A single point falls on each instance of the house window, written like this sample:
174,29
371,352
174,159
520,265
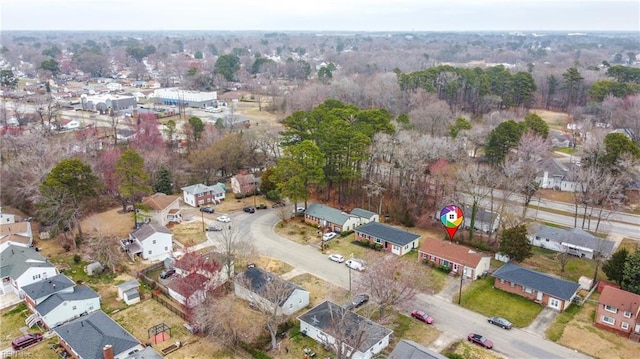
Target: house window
512,285
627,314
378,240
611,309
166,248
501,281
73,308
150,252
527,290
154,241
624,325
554,303
290,305
608,320
37,276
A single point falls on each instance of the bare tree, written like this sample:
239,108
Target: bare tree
218,318
390,281
266,293
232,246
475,182
103,248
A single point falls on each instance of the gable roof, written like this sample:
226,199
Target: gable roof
574,236
542,282
80,292
159,201
362,213
128,285
16,259
186,286
197,188
257,280
451,251
620,299
387,233
554,168
15,232
407,349
48,286
326,213
148,229
324,315
482,215
88,334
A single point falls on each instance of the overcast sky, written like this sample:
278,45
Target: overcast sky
323,15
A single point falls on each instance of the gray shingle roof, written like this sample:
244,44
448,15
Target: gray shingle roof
554,168
87,335
146,353
258,278
407,349
149,229
17,259
326,213
387,233
80,293
324,316
49,286
575,236
542,282
483,215
128,285
362,213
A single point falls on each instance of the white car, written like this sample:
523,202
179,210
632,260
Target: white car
355,264
336,258
328,236
224,219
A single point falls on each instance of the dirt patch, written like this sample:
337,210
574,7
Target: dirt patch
298,231
273,265
320,290
189,233
582,335
552,195
111,223
555,120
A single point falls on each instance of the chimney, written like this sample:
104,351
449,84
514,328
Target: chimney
107,352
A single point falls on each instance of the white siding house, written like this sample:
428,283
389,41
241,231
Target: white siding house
263,288
198,194
21,266
60,308
151,242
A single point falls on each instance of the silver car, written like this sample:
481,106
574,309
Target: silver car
501,322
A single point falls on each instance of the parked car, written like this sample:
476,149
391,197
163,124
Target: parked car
278,204
355,264
223,218
249,209
213,228
501,322
358,301
261,206
336,258
480,340
26,340
167,273
422,316
328,236
299,211
207,209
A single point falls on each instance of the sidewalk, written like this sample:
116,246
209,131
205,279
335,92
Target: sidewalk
452,287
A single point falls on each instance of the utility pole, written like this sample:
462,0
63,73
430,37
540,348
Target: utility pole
202,216
461,278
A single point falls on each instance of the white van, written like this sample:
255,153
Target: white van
355,264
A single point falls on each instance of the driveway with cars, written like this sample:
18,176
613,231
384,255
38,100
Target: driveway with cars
453,321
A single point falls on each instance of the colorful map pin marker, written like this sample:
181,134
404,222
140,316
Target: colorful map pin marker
451,217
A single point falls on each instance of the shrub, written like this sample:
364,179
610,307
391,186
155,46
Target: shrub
454,356
345,233
443,268
76,258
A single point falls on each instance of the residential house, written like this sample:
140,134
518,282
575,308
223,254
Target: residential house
407,349
64,306
163,208
484,219
123,134
151,242
555,175
454,256
574,241
128,292
178,97
96,335
189,290
19,232
244,184
343,330
35,293
330,219
7,218
540,287
363,216
199,194
262,288
68,124
21,266
393,240
619,312
561,140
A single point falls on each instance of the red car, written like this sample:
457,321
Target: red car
26,340
422,316
480,340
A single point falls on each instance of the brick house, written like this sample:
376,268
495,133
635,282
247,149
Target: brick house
454,256
244,184
392,240
330,219
619,312
541,288
198,194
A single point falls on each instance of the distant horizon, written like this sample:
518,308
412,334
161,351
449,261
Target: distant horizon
397,16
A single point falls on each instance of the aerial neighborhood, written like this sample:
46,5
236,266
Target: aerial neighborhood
281,195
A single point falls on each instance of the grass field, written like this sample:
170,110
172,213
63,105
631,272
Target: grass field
480,296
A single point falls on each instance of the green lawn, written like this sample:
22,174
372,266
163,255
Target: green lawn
555,330
545,260
480,296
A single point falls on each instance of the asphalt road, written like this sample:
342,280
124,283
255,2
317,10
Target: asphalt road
453,321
